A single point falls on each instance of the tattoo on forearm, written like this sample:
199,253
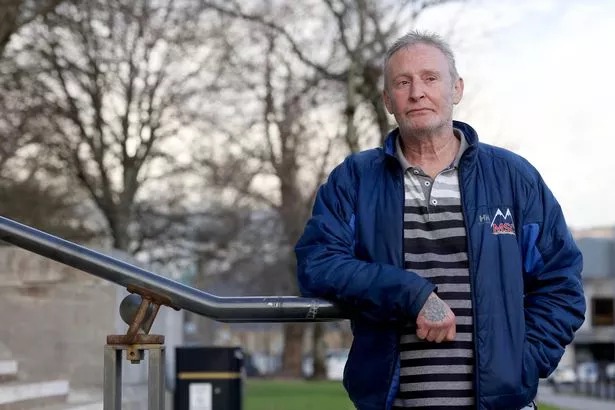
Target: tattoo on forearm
434,310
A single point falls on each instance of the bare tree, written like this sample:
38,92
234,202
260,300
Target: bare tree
15,14
19,125
216,244
33,189
123,78
48,207
362,31
275,153
14,127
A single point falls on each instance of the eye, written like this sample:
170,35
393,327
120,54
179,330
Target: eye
431,79
403,83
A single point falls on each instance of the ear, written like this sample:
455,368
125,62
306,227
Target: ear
458,90
387,101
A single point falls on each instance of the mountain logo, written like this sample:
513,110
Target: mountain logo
502,223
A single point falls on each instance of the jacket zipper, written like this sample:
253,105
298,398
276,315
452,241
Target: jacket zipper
471,272
400,187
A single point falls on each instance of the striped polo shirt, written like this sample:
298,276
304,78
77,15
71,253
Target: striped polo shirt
437,375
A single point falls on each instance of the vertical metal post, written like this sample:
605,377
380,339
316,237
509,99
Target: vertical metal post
155,377
112,395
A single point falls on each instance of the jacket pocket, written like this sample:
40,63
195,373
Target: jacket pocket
367,377
530,369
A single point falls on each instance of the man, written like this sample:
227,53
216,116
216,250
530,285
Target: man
452,256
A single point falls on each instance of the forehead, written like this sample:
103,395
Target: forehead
418,57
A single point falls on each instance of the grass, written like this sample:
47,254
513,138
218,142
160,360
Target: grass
547,407
295,395
302,395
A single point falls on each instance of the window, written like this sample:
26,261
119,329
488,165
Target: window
602,312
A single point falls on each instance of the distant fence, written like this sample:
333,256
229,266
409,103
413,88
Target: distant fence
602,389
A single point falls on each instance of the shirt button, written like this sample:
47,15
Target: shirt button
434,202
416,172
427,183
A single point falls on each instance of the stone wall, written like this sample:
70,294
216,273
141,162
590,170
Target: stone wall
54,319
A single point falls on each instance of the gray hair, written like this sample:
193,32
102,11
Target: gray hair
417,37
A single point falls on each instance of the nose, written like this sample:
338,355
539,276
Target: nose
416,91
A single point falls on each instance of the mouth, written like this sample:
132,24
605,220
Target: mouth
419,111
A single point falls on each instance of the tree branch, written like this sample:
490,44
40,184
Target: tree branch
296,48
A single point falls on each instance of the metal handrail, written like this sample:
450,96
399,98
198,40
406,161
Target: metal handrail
178,295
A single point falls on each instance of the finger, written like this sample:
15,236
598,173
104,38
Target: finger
451,333
442,334
433,334
421,332
430,335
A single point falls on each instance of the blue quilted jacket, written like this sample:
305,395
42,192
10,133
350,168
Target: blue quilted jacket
525,271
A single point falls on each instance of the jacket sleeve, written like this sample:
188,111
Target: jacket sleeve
328,268
554,300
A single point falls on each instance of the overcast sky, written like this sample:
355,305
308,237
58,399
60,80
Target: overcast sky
540,80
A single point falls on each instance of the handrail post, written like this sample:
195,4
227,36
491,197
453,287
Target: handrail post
112,385
155,378
135,343
112,395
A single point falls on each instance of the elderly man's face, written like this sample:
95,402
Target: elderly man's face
420,91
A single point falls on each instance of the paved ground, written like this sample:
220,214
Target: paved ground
135,398
573,402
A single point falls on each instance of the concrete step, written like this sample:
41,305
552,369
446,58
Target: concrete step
8,370
78,399
18,395
69,406
92,406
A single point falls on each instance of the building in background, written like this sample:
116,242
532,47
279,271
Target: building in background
595,341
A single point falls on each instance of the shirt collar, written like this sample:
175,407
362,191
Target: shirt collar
405,164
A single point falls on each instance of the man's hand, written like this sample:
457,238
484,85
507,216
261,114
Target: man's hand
436,321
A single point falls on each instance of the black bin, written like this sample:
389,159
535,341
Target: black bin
208,378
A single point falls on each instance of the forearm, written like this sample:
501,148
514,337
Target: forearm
373,291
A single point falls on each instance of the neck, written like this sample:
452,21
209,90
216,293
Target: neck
432,152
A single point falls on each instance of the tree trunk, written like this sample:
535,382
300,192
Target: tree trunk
346,333
119,223
319,352
293,350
